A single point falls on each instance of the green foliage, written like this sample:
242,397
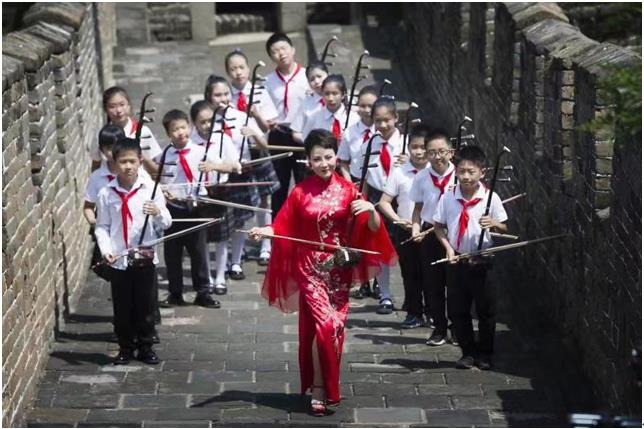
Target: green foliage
620,89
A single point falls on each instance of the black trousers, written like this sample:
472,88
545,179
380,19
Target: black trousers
284,167
196,245
133,300
434,280
466,283
409,258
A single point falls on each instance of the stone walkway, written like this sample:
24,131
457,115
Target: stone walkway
237,366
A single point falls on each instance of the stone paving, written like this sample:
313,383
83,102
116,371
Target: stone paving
237,366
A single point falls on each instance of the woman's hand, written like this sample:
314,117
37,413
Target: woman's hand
360,206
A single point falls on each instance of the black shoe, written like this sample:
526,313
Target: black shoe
436,339
385,307
220,289
375,293
412,322
148,356
484,363
363,292
205,300
236,275
123,358
172,301
466,362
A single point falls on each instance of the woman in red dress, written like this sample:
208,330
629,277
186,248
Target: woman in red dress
303,277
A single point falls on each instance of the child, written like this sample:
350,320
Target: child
398,186
426,190
184,163
458,221
128,197
389,144
217,92
350,150
288,87
202,114
316,72
108,135
265,115
333,115
117,106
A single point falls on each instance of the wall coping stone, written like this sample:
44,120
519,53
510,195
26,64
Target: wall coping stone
70,14
60,39
12,71
526,16
31,50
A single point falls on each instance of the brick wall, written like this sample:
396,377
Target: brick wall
527,79
51,114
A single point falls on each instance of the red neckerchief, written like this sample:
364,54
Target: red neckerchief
286,83
184,163
441,184
464,219
125,210
385,158
242,104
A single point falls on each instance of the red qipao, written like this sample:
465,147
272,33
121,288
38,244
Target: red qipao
319,210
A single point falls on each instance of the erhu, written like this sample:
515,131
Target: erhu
459,139
408,121
357,77
251,101
326,53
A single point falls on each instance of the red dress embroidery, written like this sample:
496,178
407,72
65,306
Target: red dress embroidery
296,279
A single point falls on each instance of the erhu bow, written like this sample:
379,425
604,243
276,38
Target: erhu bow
357,77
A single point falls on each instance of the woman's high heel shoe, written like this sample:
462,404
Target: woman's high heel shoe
318,406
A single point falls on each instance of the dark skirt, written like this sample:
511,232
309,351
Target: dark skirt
264,172
220,231
247,195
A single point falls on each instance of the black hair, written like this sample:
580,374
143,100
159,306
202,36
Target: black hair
174,115
236,52
277,37
384,101
322,138
212,80
123,145
198,106
109,135
419,130
111,92
438,134
369,89
336,78
473,154
316,65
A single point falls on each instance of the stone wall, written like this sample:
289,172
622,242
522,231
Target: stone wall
51,114
527,78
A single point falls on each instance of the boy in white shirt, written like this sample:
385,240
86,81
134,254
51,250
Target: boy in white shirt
398,187
122,206
426,190
287,86
459,220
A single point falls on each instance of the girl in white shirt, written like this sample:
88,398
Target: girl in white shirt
316,72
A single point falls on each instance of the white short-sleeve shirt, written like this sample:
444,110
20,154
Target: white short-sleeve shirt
218,145
423,190
350,149
297,89
323,119
237,119
448,212
398,186
311,104
149,145
265,107
376,176
100,178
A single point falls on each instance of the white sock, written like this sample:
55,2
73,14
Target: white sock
383,282
222,260
264,219
238,239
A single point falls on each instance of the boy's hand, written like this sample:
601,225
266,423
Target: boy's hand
206,166
451,255
248,132
168,195
150,208
401,159
487,222
236,167
415,233
360,206
253,111
109,258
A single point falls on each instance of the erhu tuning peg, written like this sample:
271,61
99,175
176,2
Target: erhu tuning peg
261,63
329,64
169,163
148,120
504,179
146,147
366,67
416,121
148,136
468,137
508,168
374,165
257,101
151,110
